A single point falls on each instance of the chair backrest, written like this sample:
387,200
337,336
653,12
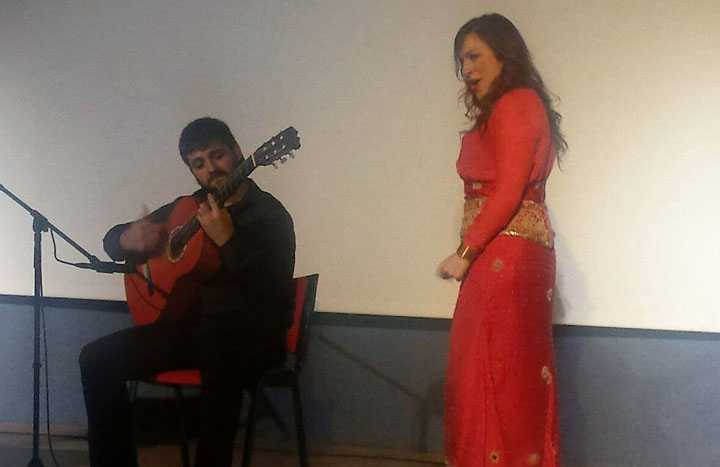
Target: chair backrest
298,333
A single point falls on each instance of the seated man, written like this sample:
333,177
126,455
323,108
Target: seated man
235,327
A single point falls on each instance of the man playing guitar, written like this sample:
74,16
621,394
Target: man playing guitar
235,306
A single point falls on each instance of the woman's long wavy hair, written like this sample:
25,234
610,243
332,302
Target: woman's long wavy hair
518,71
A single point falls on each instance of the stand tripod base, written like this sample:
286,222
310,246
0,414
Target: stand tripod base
36,462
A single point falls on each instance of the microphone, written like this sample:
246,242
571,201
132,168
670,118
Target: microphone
104,267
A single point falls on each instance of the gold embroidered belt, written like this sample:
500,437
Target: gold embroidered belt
531,222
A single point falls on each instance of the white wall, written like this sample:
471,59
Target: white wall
95,93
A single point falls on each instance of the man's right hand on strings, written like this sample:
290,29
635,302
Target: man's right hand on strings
143,236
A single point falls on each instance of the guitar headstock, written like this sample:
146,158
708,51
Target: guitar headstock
277,148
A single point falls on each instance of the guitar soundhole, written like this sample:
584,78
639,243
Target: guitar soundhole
173,251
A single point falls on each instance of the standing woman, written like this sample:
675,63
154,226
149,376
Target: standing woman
501,404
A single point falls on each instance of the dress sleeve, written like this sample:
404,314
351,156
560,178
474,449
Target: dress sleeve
515,129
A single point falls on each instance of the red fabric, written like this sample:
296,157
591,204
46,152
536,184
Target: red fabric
514,153
500,406
294,330
183,377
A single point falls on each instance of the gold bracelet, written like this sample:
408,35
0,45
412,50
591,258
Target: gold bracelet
465,252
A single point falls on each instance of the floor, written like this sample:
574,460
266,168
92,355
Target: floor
16,450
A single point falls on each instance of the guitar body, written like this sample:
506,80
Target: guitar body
167,284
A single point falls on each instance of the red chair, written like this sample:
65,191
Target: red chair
287,376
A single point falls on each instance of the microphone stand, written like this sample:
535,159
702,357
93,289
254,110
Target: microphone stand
40,225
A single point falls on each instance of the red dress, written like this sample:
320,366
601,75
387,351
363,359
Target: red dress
500,405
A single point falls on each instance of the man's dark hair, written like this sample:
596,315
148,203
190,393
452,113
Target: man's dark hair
198,135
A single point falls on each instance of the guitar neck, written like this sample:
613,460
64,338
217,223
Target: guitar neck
272,150
178,241
234,181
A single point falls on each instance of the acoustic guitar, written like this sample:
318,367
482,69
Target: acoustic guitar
167,284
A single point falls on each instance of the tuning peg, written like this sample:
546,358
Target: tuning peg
283,160
274,164
291,154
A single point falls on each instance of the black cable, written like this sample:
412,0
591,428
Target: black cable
47,379
134,271
52,236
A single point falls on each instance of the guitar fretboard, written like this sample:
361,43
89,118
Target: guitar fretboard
185,233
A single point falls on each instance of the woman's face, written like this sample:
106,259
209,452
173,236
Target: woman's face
479,66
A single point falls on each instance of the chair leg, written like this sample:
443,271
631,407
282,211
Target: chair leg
184,451
299,425
132,390
269,409
250,428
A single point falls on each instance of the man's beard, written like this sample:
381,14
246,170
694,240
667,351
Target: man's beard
213,189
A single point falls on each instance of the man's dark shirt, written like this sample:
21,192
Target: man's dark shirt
255,281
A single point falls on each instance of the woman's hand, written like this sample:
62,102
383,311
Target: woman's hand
215,221
453,267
